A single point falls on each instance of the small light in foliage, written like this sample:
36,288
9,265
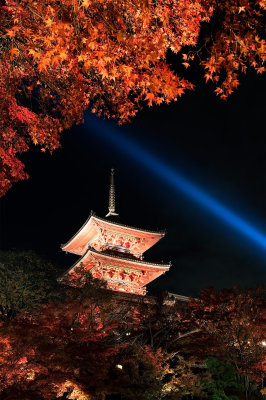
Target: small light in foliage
119,366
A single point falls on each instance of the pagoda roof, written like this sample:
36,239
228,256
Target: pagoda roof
154,232
78,243
128,263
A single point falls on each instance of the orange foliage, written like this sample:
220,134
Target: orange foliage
235,321
58,351
86,348
58,58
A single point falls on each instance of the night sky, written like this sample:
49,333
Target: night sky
220,146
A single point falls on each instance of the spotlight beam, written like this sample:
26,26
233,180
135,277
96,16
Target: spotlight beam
113,136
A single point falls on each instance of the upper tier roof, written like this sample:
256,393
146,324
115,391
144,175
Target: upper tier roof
93,231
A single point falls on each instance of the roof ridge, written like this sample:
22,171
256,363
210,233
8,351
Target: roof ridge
124,258
129,226
91,249
93,215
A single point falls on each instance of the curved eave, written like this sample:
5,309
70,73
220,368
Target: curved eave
159,267
159,234
129,260
76,234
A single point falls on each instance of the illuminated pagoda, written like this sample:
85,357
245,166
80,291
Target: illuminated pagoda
113,251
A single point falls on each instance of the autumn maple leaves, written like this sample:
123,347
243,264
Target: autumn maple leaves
59,58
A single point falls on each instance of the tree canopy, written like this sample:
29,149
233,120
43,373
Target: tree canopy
59,58
27,281
90,343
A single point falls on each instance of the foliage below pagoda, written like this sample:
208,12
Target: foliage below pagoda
59,58
89,343
26,282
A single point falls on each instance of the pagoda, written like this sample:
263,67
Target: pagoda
113,251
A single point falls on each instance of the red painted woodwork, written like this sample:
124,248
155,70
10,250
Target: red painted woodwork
113,252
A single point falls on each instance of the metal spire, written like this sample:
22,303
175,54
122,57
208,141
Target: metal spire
111,207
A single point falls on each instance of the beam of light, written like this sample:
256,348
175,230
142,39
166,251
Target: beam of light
114,137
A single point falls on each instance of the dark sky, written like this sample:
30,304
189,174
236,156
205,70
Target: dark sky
220,146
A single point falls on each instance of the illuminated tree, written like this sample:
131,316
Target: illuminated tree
63,348
233,324
94,344
74,350
58,58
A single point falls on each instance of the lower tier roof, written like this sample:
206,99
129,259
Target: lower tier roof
133,272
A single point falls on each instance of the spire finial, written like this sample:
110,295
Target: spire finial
111,207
